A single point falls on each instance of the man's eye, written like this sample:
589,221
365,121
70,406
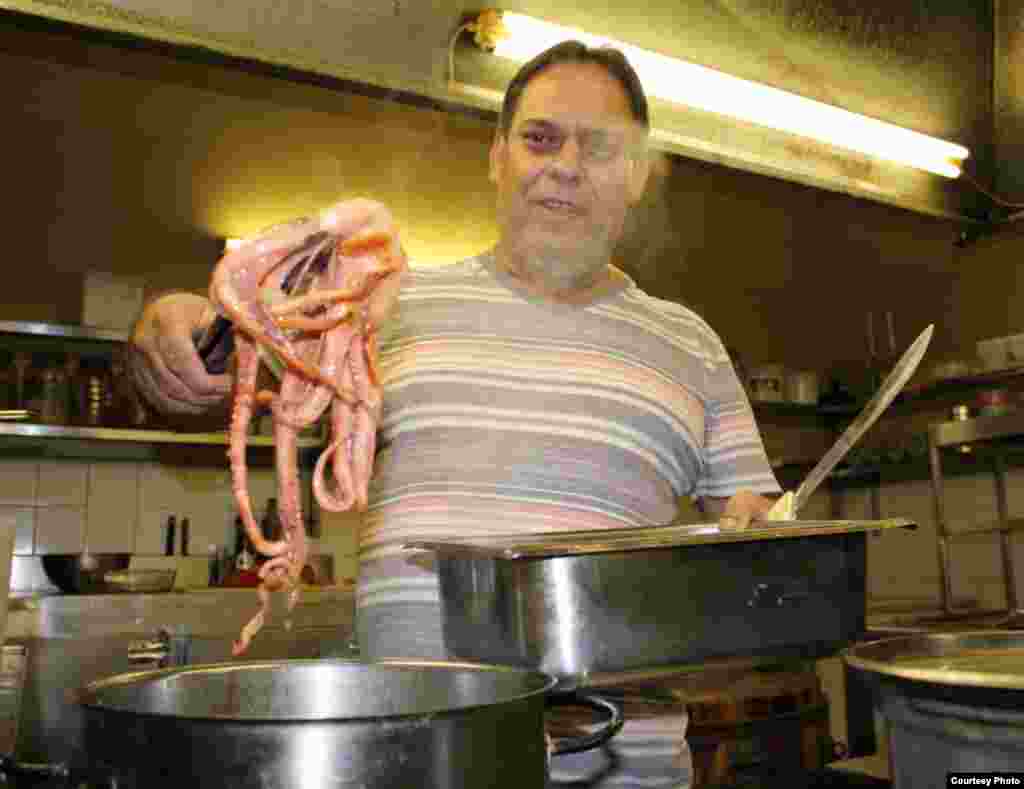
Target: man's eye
536,139
602,148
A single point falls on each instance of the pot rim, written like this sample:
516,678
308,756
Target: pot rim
87,696
883,656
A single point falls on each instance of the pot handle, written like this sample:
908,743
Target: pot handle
9,768
588,741
68,776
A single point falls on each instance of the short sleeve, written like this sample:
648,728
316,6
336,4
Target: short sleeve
734,453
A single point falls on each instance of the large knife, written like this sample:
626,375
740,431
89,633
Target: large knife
786,508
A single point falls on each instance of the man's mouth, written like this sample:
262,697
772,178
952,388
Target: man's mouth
561,206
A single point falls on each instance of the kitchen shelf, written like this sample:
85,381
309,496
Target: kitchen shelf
137,436
62,331
951,386
768,409
915,470
102,443
916,395
25,439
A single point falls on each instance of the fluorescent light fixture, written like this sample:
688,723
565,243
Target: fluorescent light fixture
705,89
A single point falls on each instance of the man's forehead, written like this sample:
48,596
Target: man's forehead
577,122
586,90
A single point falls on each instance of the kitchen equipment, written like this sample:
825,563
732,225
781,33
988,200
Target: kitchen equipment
53,401
13,665
994,402
170,532
82,573
140,581
7,534
802,387
953,702
766,383
319,569
787,507
185,535
1000,353
306,724
579,604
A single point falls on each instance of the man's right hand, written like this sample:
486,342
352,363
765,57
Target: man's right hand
163,359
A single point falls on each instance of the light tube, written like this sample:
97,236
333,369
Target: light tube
712,91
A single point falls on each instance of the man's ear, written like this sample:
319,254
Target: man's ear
494,172
639,170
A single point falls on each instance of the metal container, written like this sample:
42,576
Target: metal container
767,383
140,581
802,387
579,605
953,702
83,573
306,724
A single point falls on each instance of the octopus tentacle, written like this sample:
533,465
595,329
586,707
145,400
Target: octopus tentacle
241,415
338,269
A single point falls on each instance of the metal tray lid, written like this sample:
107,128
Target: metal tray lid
580,543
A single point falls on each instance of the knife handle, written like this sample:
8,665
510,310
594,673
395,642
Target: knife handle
216,345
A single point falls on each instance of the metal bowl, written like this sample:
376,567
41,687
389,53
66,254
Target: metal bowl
140,581
82,573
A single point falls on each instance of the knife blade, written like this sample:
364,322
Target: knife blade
789,505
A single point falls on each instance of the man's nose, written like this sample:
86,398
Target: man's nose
568,162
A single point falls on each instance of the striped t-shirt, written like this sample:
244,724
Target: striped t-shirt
506,414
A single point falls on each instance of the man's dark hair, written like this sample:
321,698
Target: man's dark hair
613,61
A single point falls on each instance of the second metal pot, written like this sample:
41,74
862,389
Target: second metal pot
952,703
321,724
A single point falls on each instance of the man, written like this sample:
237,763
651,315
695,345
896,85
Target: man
534,387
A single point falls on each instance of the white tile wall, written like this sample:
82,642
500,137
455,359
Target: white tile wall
69,506
112,513
23,521
62,484
59,530
339,535
19,482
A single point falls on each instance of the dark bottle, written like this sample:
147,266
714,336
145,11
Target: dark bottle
184,536
271,525
172,524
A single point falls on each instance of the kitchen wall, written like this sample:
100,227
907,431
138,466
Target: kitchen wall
762,259
62,506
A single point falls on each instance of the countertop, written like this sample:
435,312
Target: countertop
201,611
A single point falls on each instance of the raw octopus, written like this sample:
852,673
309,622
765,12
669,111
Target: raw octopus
308,297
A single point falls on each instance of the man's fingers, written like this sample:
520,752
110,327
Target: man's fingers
186,377
734,521
146,382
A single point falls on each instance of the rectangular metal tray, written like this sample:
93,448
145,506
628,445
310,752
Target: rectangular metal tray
581,543
583,606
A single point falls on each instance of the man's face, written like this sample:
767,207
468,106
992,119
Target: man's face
568,170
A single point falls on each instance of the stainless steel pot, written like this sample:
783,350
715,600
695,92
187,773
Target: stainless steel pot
581,604
953,703
314,724
82,573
